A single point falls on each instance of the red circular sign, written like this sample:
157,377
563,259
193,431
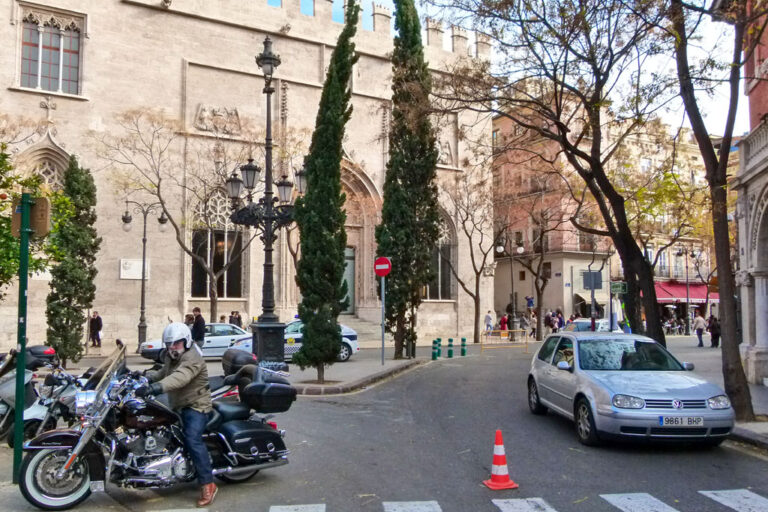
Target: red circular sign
382,266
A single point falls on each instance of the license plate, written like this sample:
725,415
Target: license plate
681,421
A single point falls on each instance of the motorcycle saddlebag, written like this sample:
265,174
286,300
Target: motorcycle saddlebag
234,359
252,438
268,397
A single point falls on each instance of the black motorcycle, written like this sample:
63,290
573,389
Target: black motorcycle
134,442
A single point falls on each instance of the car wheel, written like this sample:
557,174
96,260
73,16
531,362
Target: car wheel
585,423
533,398
345,353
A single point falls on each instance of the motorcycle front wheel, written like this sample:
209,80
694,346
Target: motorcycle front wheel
40,487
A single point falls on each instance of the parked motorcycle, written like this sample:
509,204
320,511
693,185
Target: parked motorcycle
135,442
35,357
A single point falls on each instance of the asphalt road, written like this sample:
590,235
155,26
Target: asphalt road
427,436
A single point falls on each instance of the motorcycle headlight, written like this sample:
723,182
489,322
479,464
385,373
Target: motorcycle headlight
628,402
719,402
84,400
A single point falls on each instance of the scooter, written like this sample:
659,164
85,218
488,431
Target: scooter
35,357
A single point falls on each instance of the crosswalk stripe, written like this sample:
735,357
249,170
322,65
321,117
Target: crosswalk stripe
411,506
298,508
739,499
637,502
523,505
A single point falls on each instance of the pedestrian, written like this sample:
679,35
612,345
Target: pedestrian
222,319
560,321
94,327
548,323
533,325
234,319
699,325
714,331
503,323
488,322
524,323
189,320
198,327
184,377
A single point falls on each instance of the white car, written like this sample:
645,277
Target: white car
293,337
585,324
218,338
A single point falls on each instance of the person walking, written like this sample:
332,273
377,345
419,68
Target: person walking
533,325
503,323
714,331
94,329
699,324
488,322
198,327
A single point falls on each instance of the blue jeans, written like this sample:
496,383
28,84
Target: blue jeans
193,425
700,333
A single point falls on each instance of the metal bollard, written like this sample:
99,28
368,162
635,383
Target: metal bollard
450,348
434,349
439,347
463,347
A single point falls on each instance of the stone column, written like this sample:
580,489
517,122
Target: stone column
755,355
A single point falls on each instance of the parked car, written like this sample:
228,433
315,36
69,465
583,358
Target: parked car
585,324
293,337
626,386
218,338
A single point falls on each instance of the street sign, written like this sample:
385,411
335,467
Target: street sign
618,287
382,266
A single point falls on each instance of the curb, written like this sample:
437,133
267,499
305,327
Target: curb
749,437
338,389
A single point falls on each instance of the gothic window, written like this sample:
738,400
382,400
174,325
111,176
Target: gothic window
219,243
50,53
442,285
51,175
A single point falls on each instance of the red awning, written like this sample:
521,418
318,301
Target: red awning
669,292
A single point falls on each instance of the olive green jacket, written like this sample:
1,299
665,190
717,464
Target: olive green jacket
185,380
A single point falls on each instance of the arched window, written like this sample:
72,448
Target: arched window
218,242
443,284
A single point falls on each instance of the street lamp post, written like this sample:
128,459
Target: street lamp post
680,252
144,210
513,299
269,214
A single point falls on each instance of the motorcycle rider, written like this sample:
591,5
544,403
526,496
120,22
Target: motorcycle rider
184,377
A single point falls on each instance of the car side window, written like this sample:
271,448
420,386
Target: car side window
294,327
545,354
564,352
208,329
226,330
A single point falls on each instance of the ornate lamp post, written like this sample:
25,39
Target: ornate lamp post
144,210
267,213
500,249
686,251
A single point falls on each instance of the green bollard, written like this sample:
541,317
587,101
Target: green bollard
450,348
439,347
463,347
434,349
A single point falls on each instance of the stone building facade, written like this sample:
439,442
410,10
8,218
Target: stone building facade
74,65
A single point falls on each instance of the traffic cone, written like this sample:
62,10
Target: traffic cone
499,473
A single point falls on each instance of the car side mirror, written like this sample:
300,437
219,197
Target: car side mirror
563,365
688,366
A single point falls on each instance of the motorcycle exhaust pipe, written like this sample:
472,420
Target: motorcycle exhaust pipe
250,467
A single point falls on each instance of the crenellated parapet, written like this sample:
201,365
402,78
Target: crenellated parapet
289,21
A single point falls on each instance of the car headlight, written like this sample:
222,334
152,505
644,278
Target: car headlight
628,402
719,402
83,400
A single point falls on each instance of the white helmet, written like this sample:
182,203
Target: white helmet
177,331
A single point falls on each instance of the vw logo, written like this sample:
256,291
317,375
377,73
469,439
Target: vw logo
677,404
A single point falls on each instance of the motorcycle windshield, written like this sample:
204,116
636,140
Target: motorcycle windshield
107,371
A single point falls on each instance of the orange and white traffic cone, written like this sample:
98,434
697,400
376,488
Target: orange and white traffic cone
499,473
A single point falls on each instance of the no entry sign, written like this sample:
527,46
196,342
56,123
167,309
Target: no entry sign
382,266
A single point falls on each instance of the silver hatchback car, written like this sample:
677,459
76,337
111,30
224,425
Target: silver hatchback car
626,386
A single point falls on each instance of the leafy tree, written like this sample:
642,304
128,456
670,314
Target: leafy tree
409,218
75,243
320,214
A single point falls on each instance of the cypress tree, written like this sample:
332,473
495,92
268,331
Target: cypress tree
410,218
75,245
320,214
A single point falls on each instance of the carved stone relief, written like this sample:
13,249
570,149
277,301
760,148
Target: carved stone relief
489,269
445,155
48,19
744,278
217,119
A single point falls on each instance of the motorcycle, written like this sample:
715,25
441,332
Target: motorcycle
134,442
35,357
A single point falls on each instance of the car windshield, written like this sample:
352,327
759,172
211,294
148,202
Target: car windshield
625,354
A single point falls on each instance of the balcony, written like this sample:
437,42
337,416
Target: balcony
662,270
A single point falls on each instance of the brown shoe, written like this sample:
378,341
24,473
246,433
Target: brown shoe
207,494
